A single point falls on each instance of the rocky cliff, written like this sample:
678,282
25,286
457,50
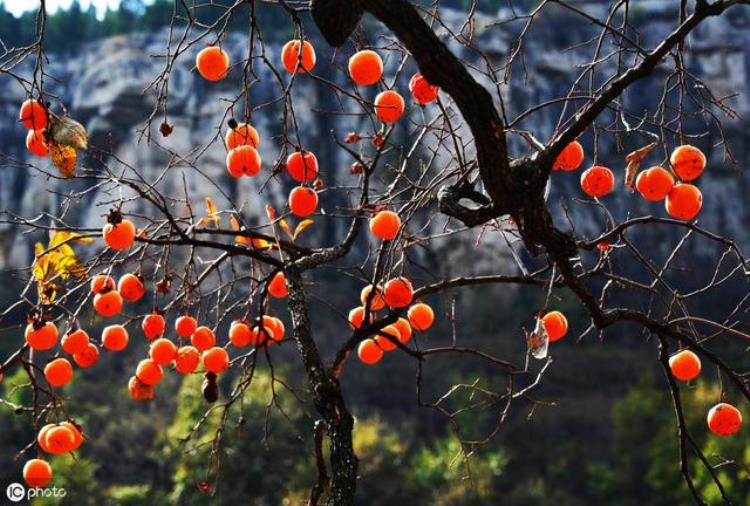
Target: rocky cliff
103,86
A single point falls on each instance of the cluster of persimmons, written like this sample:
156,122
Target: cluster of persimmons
682,200
196,344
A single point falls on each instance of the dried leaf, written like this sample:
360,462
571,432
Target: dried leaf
634,160
538,341
67,132
301,226
64,157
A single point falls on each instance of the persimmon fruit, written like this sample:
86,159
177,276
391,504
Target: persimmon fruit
41,437
119,236
87,357
421,316
149,372
102,283
243,161
570,158
36,143
724,419
185,326
684,202
422,91
277,286
369,352
597,181
685,365
203,338
131,288
404,330
77,436
153,326
556,325
162,351
296,60
37,473
140,391
303,201
398,292
58,372
240,334
75,341
389,106
187,360
108,304
654,184
241,134
115,338
378,301
33,115
42,337
302,166
216,360
385,225
212,63
365,67
60,439
688,162
357,316
382,339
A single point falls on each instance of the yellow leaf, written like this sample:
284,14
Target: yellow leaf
261,244
235,224
285,227
61,236
301,226
41,263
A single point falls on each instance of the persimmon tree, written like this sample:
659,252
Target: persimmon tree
436,153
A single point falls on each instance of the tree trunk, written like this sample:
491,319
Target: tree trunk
327,397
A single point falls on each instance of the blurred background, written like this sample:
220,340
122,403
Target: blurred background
603,431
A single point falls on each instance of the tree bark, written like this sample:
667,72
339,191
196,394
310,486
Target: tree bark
327,396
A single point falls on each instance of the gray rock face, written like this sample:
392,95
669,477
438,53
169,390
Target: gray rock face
104,87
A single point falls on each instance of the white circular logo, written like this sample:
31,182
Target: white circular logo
15,492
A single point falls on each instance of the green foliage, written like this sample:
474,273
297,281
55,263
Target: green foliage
646,470
444,471
77,477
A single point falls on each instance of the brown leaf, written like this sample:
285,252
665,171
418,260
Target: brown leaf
210,388
634,160
64,157
165,129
